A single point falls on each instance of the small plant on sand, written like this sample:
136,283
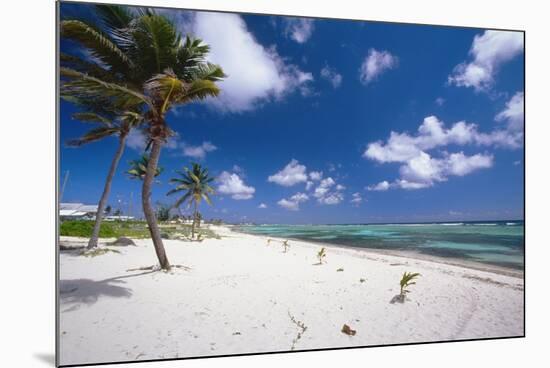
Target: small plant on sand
268,242
340,270
321,255
406,281
285,246
302,329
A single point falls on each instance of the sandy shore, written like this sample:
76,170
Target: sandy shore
243,296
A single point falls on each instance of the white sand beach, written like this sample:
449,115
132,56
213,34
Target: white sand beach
243,296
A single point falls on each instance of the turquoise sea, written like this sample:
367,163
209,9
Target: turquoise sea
498,243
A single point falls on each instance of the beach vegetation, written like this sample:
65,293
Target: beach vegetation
85,229
139,62
286,245
130,229
194,183
340,270
321,255
302,328
406,281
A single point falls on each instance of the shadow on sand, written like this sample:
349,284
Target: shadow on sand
46,358
78,292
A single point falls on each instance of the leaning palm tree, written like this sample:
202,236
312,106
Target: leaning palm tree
108,123
139,59
194,183
138,168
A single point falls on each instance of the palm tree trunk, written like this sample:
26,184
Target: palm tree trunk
92,243
194,220
148,210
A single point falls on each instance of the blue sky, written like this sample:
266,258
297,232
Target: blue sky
302,132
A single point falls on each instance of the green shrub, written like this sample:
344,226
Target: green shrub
406,281
321,255
84,229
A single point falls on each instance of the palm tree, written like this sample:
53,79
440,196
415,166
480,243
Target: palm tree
138,168
142,61
107,124
195,184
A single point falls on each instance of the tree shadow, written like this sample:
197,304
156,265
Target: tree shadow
77,292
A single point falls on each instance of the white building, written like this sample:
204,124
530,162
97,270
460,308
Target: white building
77,211
118,218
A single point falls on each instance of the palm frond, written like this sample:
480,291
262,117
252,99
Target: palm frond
155,40
138,168
100,45
81,85
91,117
208,71
182,200
83,66
117,20
198,90
92,136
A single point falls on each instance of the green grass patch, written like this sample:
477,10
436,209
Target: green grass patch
131,229
84,229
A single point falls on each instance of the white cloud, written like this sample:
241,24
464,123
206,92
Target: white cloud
376,63
137,140
256,74
440,101
510,133
382,186
424,171
460,164
293,173
315,175
325,193
293,203
356,199
332,76
332,198
323,187
309,184
420,170
299,29
488,52
198,152
513,113
405,184
402,147
262,205
231,184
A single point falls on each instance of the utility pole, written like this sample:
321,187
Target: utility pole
63,186
130,204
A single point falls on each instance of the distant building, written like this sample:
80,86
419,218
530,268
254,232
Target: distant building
118,218
77,211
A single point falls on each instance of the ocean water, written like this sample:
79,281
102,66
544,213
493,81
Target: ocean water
498,243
